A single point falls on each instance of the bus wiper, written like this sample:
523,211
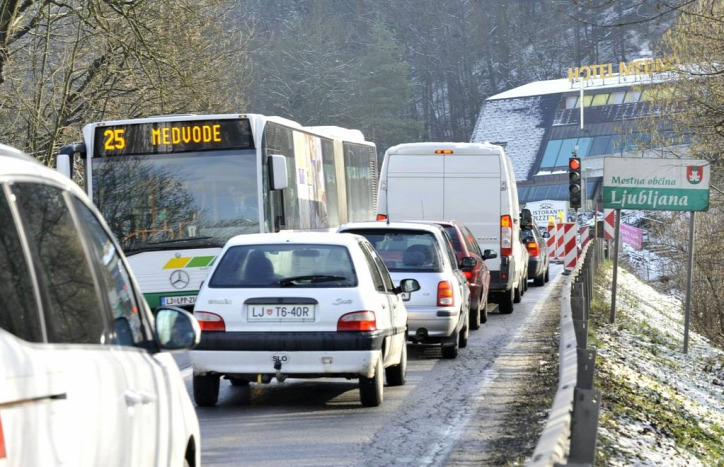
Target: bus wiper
178,240
286,282
189,242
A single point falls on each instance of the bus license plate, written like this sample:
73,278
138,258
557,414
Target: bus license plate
288,312
179,300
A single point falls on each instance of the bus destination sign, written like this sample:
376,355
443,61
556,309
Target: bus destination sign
164,137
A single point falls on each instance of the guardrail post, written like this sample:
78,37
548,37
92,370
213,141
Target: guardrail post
584,426
586,368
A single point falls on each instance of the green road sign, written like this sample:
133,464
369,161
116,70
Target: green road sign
649,184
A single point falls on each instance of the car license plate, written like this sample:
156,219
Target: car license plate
287,312
179,300
405,296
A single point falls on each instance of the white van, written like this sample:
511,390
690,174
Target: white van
473,183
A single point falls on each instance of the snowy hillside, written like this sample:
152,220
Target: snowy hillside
659,405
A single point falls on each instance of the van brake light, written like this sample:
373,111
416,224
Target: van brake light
506,235
210,321
381,217
3,453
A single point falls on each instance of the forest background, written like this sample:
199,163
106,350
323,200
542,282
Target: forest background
399,70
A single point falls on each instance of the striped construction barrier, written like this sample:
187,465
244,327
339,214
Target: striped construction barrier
551,242
570,246
560,251
584,236
609,216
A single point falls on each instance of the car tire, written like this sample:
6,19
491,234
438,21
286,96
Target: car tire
525,282
371,390
451,350
464,335
475,319
546,278
484,308
518,294
506,302
206,390
540,280
396,375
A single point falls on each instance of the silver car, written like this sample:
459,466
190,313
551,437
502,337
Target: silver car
438,312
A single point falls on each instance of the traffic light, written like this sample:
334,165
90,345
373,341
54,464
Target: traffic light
574,185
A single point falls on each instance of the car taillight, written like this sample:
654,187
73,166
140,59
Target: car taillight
445,296
3,453
364,320
381,217
210,321
506,235
468,275
533,249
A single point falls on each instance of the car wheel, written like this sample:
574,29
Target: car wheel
396,375
450,350
475,317
206,390
506,302
484,308
518,294
525,282
371,389
547,275
464,334
539,280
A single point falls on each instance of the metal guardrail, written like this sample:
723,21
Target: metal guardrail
571,432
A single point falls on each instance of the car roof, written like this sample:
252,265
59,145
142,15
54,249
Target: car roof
322,238
431,227
16,165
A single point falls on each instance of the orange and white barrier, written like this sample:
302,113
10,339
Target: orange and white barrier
570,246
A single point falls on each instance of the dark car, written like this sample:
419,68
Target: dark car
478,276
538,257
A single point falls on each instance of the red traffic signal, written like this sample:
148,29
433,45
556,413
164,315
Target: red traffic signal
574,182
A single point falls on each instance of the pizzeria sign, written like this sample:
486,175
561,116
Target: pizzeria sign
656,184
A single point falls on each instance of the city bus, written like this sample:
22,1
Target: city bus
175,188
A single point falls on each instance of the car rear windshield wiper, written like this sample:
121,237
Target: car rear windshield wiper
286,282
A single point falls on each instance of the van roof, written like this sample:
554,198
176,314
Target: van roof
457,148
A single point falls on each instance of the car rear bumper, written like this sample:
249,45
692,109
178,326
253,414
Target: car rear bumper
300,363
436,321
292,341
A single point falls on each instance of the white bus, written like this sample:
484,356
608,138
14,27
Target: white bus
175,188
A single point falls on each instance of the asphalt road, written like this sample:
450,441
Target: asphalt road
450,412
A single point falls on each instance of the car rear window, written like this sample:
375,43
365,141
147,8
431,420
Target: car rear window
285,265
404,250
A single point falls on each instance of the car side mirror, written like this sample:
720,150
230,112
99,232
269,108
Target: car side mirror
468,262
490,254
546,234
408,286
176,329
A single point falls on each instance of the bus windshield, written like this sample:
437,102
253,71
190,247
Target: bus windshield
179,200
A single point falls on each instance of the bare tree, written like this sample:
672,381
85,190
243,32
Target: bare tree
73,62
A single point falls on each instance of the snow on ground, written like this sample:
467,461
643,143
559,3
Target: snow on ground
659,405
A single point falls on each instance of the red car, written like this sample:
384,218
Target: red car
478,276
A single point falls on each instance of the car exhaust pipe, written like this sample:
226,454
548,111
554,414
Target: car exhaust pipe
278,367
421,334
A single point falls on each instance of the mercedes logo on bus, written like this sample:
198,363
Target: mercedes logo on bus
179,279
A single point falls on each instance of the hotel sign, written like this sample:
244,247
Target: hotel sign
646,66
656,184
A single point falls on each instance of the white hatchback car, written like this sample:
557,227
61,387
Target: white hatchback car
300,305
438,313
83,379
